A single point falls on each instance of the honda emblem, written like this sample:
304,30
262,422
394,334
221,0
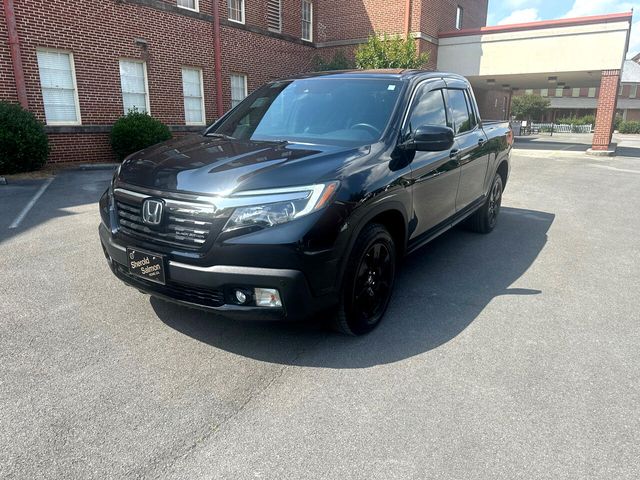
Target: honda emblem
152,211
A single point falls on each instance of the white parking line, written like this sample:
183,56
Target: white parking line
31,203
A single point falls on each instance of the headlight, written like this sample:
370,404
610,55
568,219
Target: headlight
266,208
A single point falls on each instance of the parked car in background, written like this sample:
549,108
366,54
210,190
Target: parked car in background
304,197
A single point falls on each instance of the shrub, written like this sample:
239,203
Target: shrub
135,131
585,120
23,142
617,122
630,127
389,52
338,62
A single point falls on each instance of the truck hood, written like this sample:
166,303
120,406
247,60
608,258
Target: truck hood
215,166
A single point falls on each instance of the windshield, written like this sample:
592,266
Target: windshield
320,110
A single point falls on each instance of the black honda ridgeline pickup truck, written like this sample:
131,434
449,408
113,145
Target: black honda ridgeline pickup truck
305,196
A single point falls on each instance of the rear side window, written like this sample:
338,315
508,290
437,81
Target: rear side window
429,109
459,111
472,113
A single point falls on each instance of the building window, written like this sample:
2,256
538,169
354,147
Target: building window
193,96
634,91
544,92
135,90
188,4
559,92
274,15
236,11
307,20
59,90
592,92
575,92
528,91
238,88
459,16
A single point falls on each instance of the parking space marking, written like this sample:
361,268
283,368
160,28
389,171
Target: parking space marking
31,203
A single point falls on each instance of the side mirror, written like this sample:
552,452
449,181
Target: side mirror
430,138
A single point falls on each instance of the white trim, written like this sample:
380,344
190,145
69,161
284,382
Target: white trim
204,115
246,88
196,4
242,12
76,97
310,39
146,82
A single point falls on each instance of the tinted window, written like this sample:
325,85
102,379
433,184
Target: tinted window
429,109
472,112
458,105
340,111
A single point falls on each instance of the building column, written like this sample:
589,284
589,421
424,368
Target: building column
606,113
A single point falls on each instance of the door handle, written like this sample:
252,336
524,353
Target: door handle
454,153
482,141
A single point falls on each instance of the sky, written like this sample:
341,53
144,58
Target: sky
520,11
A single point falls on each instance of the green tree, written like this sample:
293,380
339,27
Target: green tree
338,62
389,52
529,107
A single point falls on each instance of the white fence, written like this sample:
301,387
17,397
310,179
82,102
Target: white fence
560,128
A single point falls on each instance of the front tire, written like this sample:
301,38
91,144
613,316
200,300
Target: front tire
485,219
368,281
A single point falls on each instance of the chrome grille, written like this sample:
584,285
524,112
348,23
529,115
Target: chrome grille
186,225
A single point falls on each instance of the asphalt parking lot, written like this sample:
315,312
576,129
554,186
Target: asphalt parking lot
513,355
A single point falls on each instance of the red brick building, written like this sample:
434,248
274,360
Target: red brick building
80,65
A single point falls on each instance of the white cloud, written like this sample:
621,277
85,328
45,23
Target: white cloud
519,4
583,8
521,16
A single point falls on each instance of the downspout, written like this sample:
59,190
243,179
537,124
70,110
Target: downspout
407,19
217,60
16,57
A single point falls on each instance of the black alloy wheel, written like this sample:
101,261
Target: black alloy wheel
368,281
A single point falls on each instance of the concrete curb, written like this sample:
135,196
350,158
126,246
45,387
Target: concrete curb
95,166
601,153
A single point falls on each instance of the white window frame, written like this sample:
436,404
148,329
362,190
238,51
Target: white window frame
196,4
544,92
592,92
310,21
146,82
242,12
575,92
75,86
246,89
204,114
633,93
459,17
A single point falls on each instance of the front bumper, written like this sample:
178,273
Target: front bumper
206,287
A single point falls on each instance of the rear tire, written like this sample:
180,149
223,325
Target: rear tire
368,282
485,219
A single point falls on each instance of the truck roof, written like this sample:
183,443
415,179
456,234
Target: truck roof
391,73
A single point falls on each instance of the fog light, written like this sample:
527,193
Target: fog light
267,297
241,297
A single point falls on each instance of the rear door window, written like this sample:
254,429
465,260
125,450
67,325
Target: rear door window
459,111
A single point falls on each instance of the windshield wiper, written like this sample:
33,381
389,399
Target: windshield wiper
221,135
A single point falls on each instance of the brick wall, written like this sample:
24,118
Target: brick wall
100,33
605,115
